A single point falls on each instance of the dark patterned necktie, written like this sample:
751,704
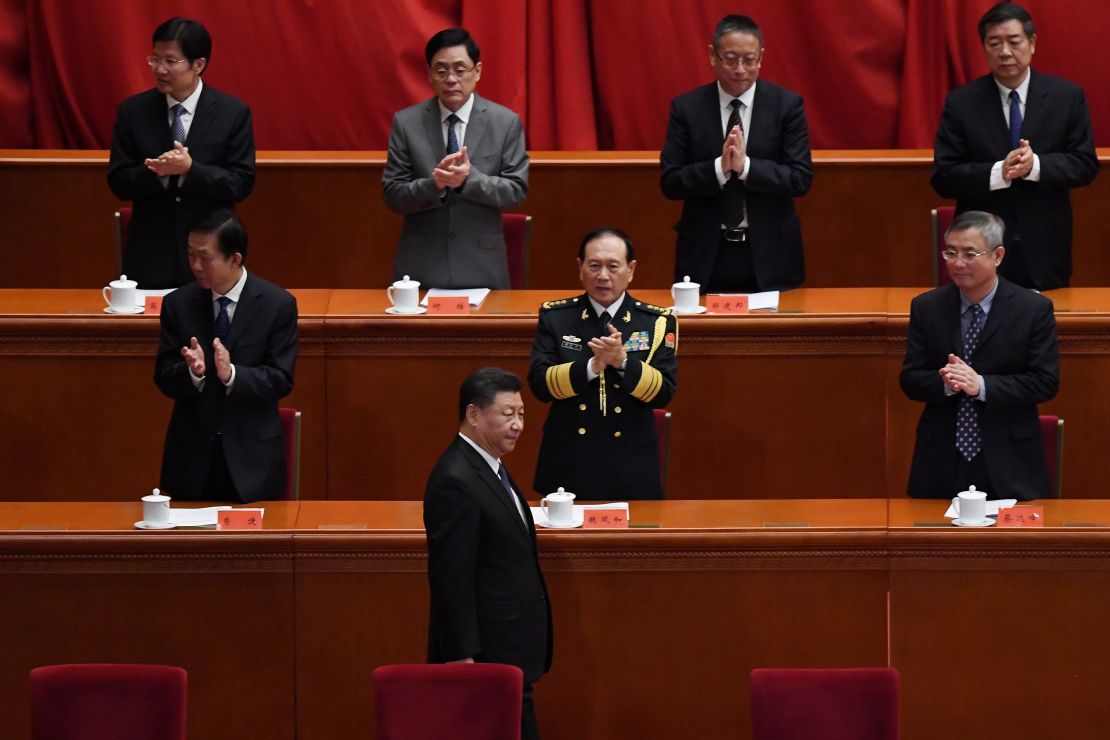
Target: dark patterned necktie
1015,119
504,476
452,138
967,415
178,123
734,186
223,319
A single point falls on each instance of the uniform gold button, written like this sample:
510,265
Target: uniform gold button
581,407
617,434
581,430
616,385
617,410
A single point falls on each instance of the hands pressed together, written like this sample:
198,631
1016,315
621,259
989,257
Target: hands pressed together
174,162
1018,163
452,170
960,377
733,153
608,351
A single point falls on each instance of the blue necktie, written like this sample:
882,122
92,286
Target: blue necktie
967,416
452,139
178,124
223,320
1015,119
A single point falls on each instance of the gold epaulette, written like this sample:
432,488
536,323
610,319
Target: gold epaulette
652,308
561,303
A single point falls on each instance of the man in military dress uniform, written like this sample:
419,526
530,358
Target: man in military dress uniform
604,360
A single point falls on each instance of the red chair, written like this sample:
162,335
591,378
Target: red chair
108,701
461,701
830,704
123,222
663,432
517,229
291,427
1052,429
942,217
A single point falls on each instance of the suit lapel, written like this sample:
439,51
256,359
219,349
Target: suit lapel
953,327
476,126
159,116
245,310
433,128
1036,105
493,483
997,316
202,119
992,117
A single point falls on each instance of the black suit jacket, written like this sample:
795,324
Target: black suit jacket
263,348
973,135
781,170
221,143
1018,357
489,600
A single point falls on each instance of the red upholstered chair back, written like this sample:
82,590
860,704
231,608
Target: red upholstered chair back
517,230
663,432
460,701
123,221
291,427
106,701
1052,429
942,219
830,704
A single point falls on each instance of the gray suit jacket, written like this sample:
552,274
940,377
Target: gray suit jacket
454,241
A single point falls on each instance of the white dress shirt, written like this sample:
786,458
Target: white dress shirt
997,181
495,466
233,294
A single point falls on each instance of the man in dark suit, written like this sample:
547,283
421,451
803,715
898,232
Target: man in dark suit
228,347
1014,143
737,154
489,601
981,354
605,361
455,163
179,151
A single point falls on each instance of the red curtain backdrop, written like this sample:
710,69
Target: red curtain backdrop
583,74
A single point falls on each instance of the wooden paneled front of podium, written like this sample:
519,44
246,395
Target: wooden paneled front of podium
999,633
802,403
317,219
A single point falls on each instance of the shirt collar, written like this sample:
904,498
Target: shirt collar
236,290
190,102
463,112
611,308
984,304
1022,89
747,97
493,462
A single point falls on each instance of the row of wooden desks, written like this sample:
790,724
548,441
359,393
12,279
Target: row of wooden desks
997,633
800,403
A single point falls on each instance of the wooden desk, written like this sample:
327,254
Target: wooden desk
317,219
800,403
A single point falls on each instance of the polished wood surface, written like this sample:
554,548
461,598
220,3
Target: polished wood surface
667,618
798,403
317,219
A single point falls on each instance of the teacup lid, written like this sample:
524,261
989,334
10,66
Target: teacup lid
156,495
561,492
406,283
686,283
122,283
971,489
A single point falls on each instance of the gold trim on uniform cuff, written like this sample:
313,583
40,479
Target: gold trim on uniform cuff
651,380
558,381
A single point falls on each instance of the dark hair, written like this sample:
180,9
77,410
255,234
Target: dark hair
600,231
1002,13
736,24
229,231
482,386
989,225
189,34
449,37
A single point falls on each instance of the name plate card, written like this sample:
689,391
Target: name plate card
1021,516
240,519
715,303
604,518
449,305
153,304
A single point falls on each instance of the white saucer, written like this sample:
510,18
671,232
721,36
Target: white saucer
394,311
988,522
130,309
579,518
164,525
699,309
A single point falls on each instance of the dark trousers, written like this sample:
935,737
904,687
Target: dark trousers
220,486
973,472
733,270
529,730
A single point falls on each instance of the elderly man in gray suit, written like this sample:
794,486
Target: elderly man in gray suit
455,162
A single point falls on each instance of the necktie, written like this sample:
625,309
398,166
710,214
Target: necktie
605,319
967,416
223,320
734,186
452,139
178,124
1015,119
504,476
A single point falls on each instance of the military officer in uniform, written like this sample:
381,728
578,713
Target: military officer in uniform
604,360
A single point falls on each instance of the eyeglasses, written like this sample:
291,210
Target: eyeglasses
751,61
157,61
951,255
459,70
